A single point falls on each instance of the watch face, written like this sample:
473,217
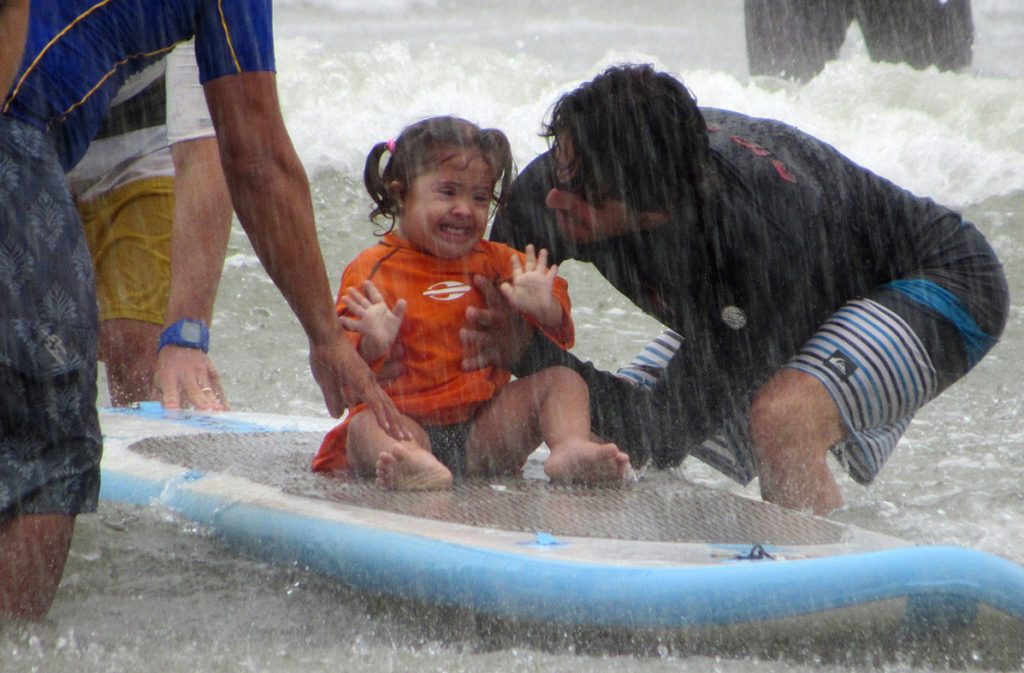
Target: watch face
190,332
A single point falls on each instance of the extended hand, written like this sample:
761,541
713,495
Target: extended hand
378,323
531,288
495,336
190,372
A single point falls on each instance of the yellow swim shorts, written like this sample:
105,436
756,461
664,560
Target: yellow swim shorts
129,235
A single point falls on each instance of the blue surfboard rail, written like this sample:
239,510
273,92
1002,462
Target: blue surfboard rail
204,421
941,583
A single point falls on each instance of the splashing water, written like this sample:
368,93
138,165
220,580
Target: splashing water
144,590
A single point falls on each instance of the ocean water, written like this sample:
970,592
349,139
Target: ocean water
144,590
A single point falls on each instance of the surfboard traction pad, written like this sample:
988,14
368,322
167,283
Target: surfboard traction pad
660,507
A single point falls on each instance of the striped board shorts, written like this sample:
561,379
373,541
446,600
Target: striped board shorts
878,373
873,365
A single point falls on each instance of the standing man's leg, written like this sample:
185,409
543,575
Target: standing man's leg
129,355
50,440
33,550
129,235
49,473
794,38
922,33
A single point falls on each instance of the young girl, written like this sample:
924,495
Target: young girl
410,292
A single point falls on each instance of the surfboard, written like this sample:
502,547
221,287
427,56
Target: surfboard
644,564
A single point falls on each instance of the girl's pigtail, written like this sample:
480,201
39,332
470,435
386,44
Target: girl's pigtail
498,151
376,186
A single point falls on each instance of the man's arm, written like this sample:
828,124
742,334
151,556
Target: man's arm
13,27
661,424
620,412
271,196
202,224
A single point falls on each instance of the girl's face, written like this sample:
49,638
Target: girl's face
444,211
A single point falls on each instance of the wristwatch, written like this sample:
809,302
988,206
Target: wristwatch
187,333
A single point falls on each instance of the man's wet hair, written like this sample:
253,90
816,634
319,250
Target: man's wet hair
422,147
637,136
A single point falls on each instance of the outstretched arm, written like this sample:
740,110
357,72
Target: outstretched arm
271,196
199,234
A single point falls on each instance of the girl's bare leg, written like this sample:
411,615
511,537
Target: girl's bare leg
552,406
397,465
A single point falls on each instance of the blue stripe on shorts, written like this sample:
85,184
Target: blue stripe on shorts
947,304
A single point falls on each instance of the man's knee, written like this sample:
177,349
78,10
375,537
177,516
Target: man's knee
793,422
793,413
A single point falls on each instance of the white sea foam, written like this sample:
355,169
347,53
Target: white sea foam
144,592
958,138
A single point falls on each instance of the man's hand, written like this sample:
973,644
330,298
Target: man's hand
345,380
186,376
496,336
391,366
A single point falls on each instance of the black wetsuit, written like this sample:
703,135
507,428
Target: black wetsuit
791,231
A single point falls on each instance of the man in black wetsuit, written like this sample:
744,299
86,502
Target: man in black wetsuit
820,306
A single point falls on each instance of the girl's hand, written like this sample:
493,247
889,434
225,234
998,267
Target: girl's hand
531,288
373,319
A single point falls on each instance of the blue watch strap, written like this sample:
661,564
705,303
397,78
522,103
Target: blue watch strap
187,333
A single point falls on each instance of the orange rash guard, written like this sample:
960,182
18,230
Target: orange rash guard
434,390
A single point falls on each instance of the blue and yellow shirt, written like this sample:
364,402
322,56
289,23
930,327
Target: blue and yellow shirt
79,52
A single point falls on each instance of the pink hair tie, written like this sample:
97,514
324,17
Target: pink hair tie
390,145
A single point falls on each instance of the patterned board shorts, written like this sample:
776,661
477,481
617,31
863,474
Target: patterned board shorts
49,430
49,444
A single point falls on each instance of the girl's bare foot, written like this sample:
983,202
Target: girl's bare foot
586,462
410,469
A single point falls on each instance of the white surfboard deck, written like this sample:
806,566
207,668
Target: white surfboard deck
660,557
